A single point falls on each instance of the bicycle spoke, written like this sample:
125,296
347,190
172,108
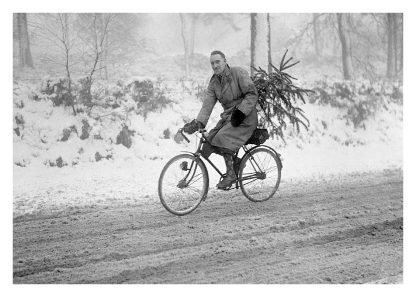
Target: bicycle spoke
195,180
260,175
254,180
195,189
270,169
182,184
250,175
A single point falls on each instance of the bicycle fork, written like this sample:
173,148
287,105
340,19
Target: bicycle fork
183,183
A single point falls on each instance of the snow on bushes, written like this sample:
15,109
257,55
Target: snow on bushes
351,113
341,114
359,100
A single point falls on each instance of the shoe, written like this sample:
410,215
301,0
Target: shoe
230,176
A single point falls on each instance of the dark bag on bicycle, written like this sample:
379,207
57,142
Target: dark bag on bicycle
258,137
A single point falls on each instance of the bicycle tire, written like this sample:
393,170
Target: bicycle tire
255,185
175,191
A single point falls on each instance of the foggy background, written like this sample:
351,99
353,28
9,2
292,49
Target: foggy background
98,99
153,44
98,96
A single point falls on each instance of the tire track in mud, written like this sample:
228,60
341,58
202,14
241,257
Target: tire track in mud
265,251
188,258
336,234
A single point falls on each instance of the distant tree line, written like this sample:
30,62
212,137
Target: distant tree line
94,41
365,41
355,38
87,43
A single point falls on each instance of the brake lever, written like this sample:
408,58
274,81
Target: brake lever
183,135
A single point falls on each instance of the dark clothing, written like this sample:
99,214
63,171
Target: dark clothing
233,89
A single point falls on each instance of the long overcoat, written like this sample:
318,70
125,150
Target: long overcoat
233,89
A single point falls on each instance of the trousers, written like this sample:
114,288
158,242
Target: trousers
208,149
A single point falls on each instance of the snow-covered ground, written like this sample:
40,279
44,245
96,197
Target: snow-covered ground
332,147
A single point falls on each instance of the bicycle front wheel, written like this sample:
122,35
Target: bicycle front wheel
259,174
183,184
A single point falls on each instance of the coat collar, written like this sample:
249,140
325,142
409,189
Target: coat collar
226,74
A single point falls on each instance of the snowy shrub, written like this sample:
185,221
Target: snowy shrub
66,133
84,93
60,162
19,104
58,92
166,133
19,119
200,91
148,96
118,90
335,93
185,84
98,156
86,128
141,91
196,88
359,100
124,137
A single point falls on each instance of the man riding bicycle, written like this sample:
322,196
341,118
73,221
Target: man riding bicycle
234,89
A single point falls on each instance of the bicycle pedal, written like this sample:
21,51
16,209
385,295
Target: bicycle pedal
224,188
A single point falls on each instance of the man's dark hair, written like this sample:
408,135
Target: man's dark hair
218,53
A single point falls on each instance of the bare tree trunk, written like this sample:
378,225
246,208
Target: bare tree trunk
252,41
395,44
317,35
25,56
390,62
103,60
260,41
100,25
345,47
192,37
400,29
269,67
188,32
101,32
66,42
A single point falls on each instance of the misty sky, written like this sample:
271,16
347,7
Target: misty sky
165,30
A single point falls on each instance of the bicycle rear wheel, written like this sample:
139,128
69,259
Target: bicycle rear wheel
183,184
259,174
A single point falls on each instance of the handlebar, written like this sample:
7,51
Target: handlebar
186,138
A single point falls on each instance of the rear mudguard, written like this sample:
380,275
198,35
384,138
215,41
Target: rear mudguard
270,148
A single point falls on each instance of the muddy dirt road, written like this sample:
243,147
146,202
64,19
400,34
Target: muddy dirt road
345,229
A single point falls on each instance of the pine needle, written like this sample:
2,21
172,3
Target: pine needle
277,96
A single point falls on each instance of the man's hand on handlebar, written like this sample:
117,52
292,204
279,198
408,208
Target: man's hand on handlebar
192,127
180,135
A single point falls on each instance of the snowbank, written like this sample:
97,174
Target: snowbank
51,173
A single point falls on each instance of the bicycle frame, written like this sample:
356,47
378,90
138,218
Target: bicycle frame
253,166
197,154
247,151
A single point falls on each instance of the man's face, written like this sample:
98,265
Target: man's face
217,63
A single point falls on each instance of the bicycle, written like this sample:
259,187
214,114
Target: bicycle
184,181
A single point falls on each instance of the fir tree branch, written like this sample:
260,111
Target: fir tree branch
278,96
